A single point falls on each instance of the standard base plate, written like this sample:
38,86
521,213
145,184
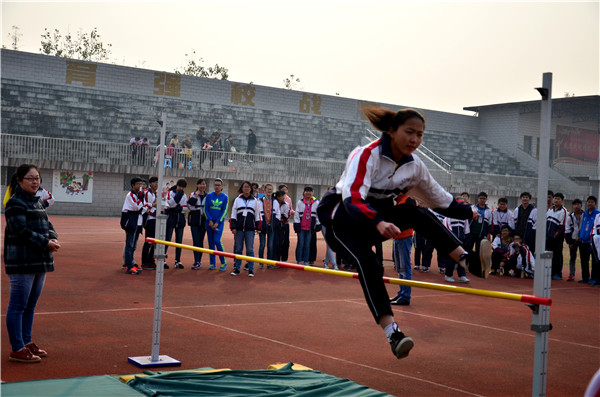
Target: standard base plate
146,361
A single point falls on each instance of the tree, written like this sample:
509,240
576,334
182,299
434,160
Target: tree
15,36
195,68
291,82
87,47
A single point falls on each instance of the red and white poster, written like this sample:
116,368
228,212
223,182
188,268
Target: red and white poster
577,145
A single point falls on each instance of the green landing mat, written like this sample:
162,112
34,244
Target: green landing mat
282,382
273,383
69,387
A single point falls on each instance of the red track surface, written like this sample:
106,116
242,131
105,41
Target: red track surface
92,316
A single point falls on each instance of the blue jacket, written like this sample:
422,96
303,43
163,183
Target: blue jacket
587,224
215,207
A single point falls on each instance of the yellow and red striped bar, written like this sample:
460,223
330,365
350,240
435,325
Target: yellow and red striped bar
340,273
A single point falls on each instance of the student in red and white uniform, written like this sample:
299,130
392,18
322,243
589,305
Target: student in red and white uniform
131,221
45,196
360,212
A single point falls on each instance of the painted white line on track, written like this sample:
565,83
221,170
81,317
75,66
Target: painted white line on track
531,335
328,301
243,332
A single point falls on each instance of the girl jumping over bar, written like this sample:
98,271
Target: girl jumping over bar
360,212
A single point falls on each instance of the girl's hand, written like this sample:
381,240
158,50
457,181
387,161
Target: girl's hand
53,245
388,230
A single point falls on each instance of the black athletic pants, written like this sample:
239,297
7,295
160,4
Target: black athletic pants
355,240
148,248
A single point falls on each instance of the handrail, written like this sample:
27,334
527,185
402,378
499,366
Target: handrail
37,148
425,152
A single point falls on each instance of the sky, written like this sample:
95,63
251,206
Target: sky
431,55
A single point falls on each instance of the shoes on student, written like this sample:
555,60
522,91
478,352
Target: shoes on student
463,279
325,266
134,270
35,350
400,302
592,282
449,279
583,281
212,267
196,266
401,344
442,270
24,356
417,268
246,266
235,272
149,266
167,266
178,265
570,278
424,270
556,277
250,273
223,267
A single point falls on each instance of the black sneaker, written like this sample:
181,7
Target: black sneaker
166,266
178,265
250,273
400,302
246,267
401,344
235,272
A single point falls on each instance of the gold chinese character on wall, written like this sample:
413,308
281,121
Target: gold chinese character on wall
242,94
167,84
82,72
308,103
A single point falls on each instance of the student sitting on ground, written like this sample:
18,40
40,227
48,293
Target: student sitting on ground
520,259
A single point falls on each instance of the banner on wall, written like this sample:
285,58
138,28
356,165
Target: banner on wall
72,186
576,145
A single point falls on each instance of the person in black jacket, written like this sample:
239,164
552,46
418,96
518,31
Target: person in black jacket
175,208
197,219
29,241
251,142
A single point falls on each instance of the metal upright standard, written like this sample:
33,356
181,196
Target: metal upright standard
541,284
157,360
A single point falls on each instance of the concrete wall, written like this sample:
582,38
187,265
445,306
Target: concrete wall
58,97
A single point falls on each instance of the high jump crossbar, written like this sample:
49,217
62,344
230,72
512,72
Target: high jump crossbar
536,300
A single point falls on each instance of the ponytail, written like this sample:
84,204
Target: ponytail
386,120
19,174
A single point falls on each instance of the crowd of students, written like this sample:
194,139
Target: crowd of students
267,215
512,234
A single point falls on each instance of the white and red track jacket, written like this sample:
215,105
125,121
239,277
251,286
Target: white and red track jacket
372,174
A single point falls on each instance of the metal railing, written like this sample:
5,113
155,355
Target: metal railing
232,165
36,148
423,151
